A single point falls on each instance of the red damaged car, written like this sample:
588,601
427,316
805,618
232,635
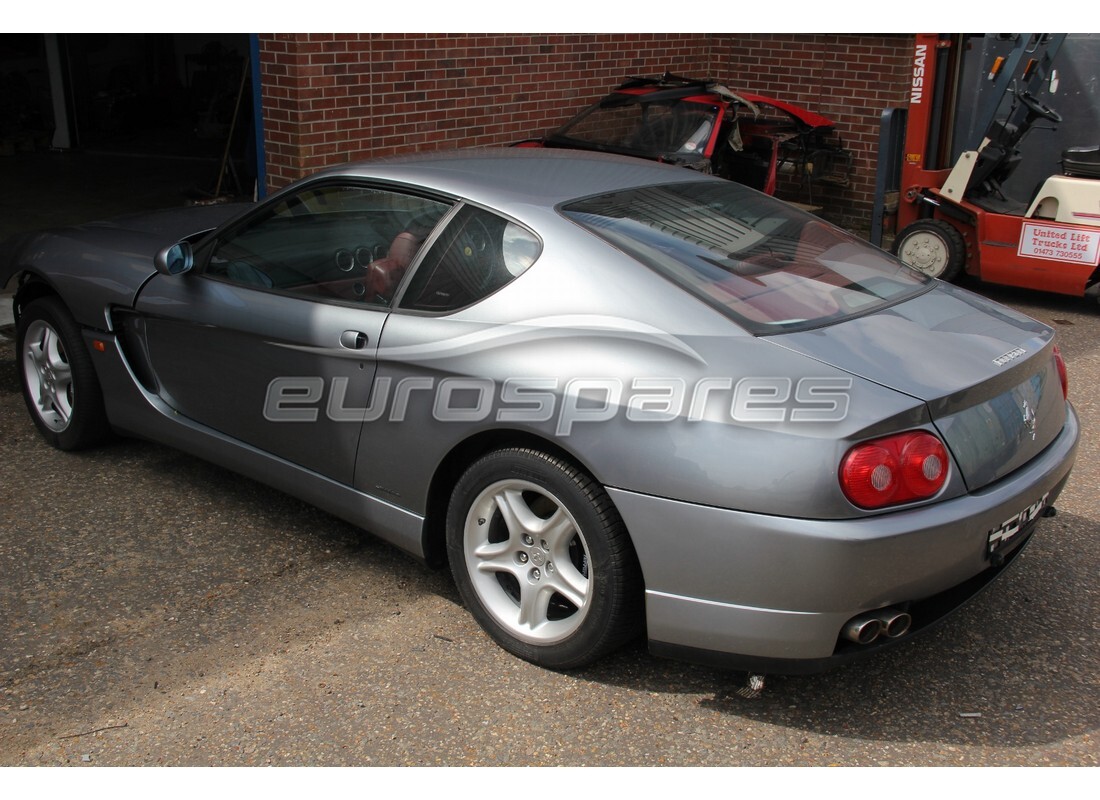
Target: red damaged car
702,125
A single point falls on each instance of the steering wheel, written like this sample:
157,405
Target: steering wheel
1038,108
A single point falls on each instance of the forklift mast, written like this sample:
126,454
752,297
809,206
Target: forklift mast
930,126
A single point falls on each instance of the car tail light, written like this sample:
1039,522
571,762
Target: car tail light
1062,376
895,469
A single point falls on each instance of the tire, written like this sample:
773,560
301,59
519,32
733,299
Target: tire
542,559
59,382
933,247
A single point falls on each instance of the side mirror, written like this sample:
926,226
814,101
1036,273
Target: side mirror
175,259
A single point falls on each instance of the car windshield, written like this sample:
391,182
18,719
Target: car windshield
769,266
630,124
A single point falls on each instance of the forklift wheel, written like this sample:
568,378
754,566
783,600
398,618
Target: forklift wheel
934,247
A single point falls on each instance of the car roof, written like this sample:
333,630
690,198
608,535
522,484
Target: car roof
504,176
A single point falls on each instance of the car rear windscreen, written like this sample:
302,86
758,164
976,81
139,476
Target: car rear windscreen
763,262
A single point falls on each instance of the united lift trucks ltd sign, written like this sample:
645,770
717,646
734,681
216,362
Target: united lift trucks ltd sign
1060,243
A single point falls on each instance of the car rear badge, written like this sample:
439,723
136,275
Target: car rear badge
1011,355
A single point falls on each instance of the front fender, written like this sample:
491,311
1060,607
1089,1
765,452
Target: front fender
100,265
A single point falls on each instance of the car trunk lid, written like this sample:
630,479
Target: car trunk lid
986,373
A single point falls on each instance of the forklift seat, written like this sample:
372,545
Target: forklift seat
1082,161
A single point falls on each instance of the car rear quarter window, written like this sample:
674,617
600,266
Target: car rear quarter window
475,255
764,263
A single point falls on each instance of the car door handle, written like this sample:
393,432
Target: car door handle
354,340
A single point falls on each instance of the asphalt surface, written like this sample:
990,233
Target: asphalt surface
158,610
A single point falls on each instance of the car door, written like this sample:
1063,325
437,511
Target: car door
271,339
435,385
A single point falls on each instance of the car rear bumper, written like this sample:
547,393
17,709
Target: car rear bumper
772,593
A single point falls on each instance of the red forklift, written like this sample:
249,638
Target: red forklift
958,217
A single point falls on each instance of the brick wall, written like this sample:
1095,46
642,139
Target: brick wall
334,98
331,98
850,79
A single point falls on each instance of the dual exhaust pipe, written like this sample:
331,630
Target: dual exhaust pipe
888,622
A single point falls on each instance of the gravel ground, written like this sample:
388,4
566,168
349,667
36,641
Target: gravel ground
159,610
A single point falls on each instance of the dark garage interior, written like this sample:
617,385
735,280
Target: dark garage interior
98,124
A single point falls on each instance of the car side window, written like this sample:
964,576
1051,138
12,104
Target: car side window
476,254
333,242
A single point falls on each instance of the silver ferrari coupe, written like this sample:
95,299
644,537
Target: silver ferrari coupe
615,397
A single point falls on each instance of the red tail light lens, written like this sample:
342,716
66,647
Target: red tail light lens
893,470
1062,375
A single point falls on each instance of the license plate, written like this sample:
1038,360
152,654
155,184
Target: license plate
1011,528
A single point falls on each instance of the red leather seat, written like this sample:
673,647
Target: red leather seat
386,273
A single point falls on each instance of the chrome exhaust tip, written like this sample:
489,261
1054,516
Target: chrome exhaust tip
895,623
888,622
863,629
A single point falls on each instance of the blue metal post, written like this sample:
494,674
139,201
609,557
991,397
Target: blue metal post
258,117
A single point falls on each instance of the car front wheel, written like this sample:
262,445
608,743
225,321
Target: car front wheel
542,559
59,381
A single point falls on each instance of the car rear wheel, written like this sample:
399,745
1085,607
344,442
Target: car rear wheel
934,247
59,381
542,559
